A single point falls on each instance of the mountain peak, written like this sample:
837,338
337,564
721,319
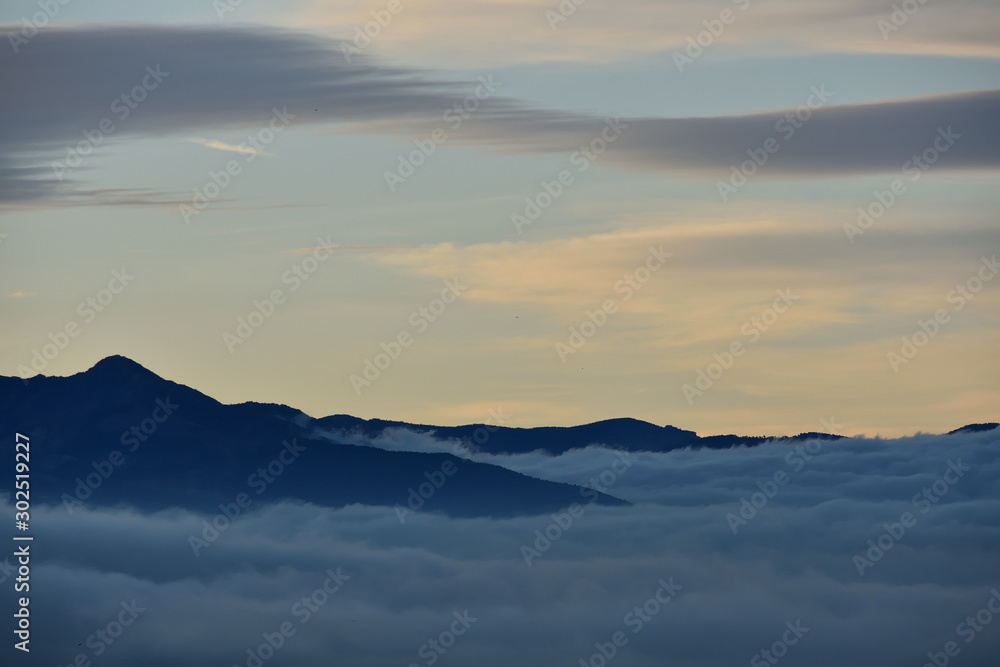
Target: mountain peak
975,428
116,360
118,365
116,373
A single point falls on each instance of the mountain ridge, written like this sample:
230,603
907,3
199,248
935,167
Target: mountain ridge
618,432
118,434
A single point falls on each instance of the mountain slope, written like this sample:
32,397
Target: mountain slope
119,434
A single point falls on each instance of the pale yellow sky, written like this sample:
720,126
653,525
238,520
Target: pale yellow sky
302,274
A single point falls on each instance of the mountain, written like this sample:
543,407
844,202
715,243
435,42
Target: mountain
975,428
631,435
628,434
120,434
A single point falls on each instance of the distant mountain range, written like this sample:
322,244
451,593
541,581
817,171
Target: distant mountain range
631,435
119,434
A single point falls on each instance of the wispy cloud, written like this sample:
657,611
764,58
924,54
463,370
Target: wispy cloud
548,30
307,75
357,248
223,146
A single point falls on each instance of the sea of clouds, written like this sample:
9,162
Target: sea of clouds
860,551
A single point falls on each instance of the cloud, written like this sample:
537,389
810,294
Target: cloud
262,70
104,72
568,275
802,142
792,561
855,303
548,30
223,146
357,248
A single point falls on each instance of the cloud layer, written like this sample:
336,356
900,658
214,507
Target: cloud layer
547,30
792,561
67,82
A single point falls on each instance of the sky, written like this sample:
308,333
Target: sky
732,217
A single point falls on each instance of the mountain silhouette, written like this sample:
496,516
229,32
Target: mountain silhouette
626,434
975,428
118,434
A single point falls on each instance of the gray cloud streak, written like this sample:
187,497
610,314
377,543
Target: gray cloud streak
66,80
